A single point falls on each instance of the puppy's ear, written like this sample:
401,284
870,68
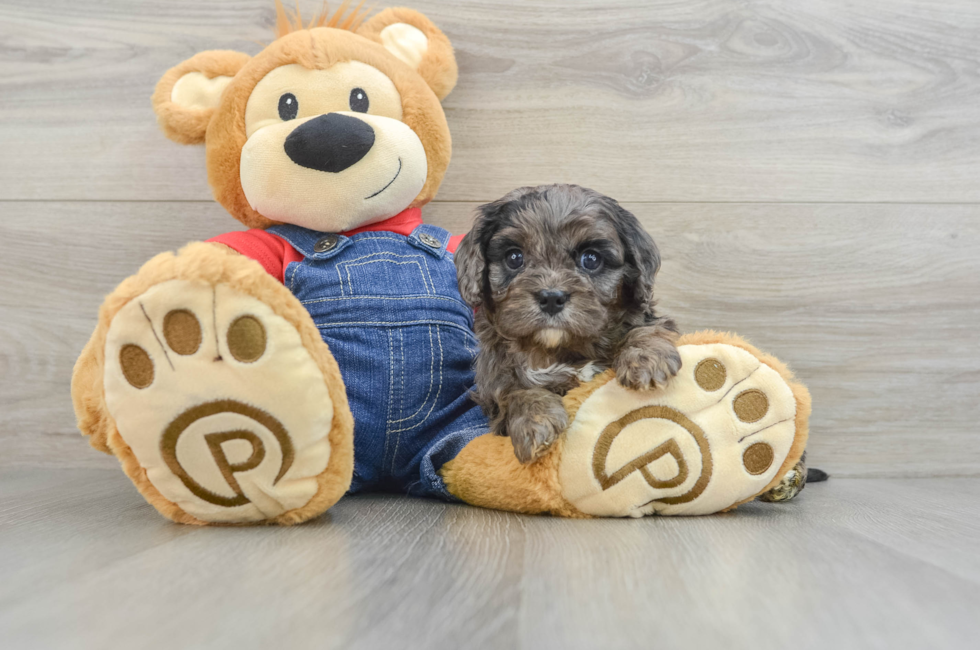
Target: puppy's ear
642,254
413,38
186,96
471,261
469,269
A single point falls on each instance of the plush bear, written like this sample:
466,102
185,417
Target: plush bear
259,376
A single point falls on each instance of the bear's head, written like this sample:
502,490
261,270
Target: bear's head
332,126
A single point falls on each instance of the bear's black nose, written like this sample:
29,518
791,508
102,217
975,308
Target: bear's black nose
329,143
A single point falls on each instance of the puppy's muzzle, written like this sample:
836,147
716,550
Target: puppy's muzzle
330,143
551,301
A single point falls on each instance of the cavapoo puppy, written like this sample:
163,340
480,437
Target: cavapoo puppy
561,278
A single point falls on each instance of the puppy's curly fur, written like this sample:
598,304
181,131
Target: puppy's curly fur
561,278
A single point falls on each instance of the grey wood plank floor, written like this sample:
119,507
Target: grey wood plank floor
852,563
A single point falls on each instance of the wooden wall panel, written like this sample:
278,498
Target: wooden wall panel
876,308
809,169
706,100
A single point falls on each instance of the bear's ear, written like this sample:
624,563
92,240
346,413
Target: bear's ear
413,38
186,96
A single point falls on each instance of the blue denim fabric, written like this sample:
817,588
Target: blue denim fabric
389,308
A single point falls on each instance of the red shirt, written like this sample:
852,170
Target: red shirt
274,253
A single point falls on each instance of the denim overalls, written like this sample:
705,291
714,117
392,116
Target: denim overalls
389,308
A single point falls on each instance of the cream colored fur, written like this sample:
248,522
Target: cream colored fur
213,265
488,474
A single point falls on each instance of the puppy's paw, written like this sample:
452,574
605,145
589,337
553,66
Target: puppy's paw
535,419
647,366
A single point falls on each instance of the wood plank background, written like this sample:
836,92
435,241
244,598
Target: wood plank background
810,170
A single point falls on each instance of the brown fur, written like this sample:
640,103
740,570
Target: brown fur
288,21
214,265
186,125
223,128
608,319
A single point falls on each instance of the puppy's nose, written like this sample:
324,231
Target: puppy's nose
551,301
329,143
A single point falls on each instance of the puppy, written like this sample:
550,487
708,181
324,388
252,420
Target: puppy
561,278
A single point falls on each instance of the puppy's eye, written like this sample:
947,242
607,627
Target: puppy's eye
514,259
359,100
288,107
590,260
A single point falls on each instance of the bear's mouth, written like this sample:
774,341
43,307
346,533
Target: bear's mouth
389,182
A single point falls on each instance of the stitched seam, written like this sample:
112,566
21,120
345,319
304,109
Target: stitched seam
393,324
292,278
435,400
420,296
754,433
391,388
414,256
415,262
401,398
350,284
366,238
340,279
432,374
426,276
375,254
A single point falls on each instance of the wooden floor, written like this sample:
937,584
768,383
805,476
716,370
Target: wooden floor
852,563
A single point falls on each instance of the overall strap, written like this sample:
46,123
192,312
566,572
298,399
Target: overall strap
432,239
312,244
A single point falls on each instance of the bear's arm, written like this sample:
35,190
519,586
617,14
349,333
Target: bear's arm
454,243
271,251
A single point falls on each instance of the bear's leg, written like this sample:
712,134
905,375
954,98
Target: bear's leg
728,428
211,384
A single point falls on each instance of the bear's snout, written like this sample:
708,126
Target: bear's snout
329,143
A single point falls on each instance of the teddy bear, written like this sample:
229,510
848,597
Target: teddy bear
258,377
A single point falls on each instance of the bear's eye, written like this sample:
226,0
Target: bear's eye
288,107
590,260
514,259
359,100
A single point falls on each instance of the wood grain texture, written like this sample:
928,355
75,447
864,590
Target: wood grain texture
875,306
706,100
873,563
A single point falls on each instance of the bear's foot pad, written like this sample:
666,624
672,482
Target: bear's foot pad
716,436
224,408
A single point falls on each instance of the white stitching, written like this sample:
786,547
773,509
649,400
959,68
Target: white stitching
366,238
340,279
415,262
398,439
292,277
330,325
401,398
432,374
415,297
391,387
426,276
435,400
